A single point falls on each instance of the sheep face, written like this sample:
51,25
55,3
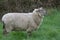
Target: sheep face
40,11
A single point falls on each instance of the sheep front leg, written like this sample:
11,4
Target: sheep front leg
29,32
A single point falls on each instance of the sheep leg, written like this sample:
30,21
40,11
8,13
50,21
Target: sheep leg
4,29
29,32
7,29
5,32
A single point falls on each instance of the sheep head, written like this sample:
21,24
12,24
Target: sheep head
41,11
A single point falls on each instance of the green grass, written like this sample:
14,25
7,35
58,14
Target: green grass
49,30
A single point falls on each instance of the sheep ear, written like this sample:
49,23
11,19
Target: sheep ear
41,8
34,10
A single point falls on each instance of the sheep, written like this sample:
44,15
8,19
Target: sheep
28,22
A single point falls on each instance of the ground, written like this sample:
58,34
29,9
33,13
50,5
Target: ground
49,30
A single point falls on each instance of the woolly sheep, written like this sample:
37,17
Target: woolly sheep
23,21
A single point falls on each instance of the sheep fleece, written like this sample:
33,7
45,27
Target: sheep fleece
19,21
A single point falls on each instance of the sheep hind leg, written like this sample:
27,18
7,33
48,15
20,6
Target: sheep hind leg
4,29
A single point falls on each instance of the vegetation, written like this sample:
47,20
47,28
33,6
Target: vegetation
49,30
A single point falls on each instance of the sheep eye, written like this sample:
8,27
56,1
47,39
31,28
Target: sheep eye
41,10
38,11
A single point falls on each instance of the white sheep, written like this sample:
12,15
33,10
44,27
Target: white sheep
23,21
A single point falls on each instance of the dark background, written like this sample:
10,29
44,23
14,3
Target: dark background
25,5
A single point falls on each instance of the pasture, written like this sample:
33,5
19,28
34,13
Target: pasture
49,30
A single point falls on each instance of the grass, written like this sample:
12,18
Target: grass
49,30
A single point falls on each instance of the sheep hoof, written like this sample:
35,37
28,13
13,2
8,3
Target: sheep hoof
5,33
29,34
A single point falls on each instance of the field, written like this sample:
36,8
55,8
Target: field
49,30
